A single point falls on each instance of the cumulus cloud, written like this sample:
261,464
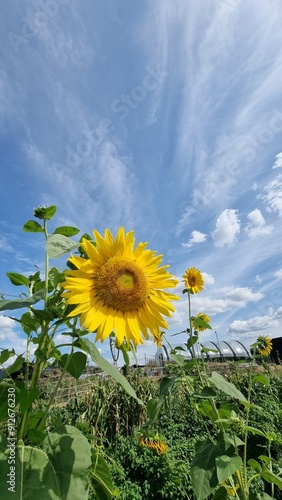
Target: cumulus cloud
257,323
228,298
257,225
11,339
273,196
208,279
278,161
227,228
196,237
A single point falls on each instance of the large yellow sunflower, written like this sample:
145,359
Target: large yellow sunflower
119,288
194,280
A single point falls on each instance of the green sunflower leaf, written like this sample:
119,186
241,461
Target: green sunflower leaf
18,279
66,230
74,363
6,305
227,387
31,226
50,212
58,244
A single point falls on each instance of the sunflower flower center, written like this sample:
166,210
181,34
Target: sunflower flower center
192,281
121,284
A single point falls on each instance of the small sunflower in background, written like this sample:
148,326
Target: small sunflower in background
264,345
120,289
154,443
194,280
198,325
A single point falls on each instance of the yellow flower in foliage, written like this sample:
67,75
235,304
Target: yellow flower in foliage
264,345
119,288
205,318
153,443
230,490
194,280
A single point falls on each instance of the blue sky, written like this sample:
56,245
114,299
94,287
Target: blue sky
163,117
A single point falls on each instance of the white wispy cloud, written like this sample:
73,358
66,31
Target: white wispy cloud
278,274
278,161
257,225
273,195
227,228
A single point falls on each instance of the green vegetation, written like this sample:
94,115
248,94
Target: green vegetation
106,414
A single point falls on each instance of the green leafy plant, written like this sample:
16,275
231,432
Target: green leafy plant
222,467
60,464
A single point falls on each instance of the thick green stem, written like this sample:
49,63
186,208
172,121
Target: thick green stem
38,366
43,341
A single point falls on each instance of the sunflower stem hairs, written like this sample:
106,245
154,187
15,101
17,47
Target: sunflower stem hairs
120,288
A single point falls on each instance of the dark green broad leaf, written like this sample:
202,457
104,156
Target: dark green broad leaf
206,393
70,455
227,387
268,476
265,459
207,409
29,322
26,398
31,226
200,322
261,379
74,363
105,366
56,277
254,465
254,430
18,363
221,494
8,305
87,236
178,358
154,407
18,279
58,244
189,365
50,212
226,466
66,230
36,436
178,348
204,468
101,478
59,470
166,386
5,354
191,341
